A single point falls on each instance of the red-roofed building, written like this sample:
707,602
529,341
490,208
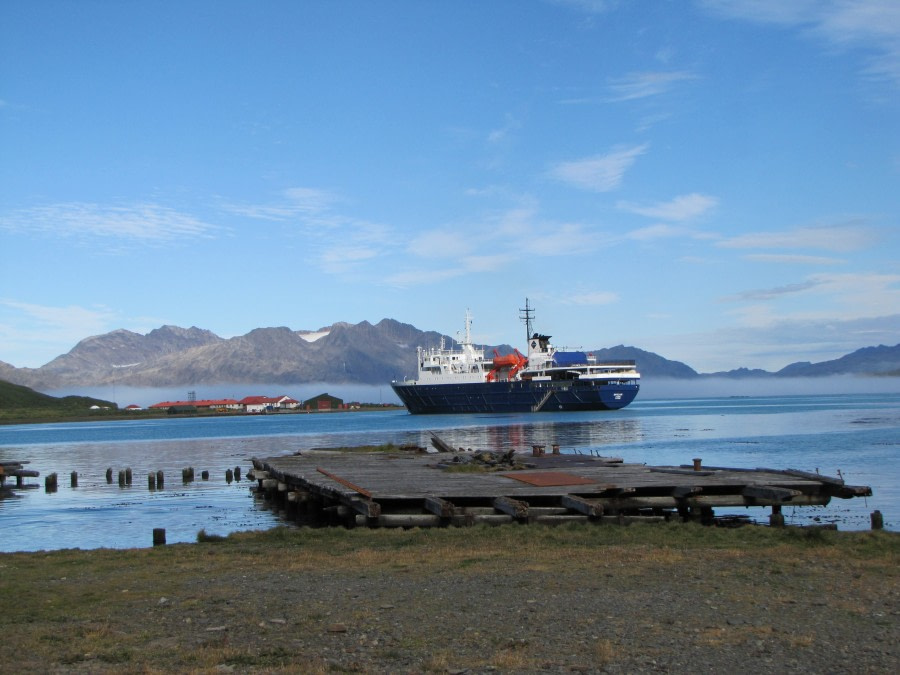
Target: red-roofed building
221,404
259,404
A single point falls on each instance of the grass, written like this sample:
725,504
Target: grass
243,602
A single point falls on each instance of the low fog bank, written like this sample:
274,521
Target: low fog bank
651,388
147,396
717,387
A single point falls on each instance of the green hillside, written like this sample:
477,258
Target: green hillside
17,402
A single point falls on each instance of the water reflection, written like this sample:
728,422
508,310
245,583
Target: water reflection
581,436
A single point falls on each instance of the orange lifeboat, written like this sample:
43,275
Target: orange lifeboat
513,362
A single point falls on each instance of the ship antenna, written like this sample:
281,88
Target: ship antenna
527,315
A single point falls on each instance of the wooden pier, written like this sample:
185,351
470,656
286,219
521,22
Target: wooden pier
17,470
420,490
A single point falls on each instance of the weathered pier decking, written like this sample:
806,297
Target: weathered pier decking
417,490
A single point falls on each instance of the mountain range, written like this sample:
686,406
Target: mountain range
360,353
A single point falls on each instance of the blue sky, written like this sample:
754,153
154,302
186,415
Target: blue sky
717,182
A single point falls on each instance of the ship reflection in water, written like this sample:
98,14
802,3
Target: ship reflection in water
582,436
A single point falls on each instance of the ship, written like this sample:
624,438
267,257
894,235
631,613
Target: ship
460,379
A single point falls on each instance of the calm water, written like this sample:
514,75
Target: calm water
856,436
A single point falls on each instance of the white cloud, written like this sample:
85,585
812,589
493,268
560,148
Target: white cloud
870,25
684,207
830,237
642,85
146,223
599,173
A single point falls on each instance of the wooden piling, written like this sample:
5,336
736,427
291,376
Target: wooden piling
128,476
877,520
204,475
777,518
109,475
50,482
229,476
159,536
237,473
73,479
698,464
151,481
159,480
122,478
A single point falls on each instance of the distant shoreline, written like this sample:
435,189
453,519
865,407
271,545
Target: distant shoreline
117,416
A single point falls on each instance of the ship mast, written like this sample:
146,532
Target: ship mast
468,327
527,315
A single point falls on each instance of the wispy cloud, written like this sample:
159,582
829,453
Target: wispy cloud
870,25
684,207
501,134
775,341
591,298
589,6
769,293
142,222
489,245
793,259
37,330
440,244
337,243
654,232
849,296
861,294
598,173
842,237
646,84
291,203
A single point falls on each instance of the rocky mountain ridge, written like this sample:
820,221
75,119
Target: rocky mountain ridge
362,353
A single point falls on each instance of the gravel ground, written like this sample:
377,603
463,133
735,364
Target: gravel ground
691,618
438,607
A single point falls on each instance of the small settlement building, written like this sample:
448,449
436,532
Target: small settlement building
324,402
263,404
205,405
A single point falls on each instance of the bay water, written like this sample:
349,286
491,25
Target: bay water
856,437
